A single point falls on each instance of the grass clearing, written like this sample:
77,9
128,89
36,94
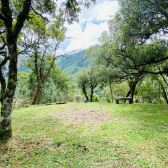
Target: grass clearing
88,135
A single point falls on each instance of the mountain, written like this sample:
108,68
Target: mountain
69,64
23,69
72,63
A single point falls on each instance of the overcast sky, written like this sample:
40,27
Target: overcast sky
92,22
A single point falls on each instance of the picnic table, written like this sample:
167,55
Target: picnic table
123,98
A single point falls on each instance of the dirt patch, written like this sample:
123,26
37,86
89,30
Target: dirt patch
83,114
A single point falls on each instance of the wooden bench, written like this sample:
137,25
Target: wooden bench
123,98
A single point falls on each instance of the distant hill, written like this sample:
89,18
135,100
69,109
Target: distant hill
23,69
69,64
72,63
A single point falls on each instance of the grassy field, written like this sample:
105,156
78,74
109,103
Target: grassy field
92,135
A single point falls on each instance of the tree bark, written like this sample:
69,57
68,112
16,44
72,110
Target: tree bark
84,91
133,90
36,97
6,103
12,33
91,95
129,92
164,94
111,92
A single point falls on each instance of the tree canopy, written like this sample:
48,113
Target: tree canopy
144,18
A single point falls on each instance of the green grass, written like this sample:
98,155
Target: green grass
135,136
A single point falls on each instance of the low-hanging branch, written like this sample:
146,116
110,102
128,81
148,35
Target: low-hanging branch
39,14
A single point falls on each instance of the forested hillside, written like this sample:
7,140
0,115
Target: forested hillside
72,63
23,69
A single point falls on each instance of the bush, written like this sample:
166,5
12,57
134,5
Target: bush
21,103
96,98
70,99
108,100
78,98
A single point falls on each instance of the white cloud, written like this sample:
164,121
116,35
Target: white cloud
86,38
73,30
91,18
101,11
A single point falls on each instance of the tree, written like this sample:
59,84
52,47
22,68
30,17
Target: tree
55,88
103,58
41,63
14,17
144,18
62,82
121,89
83,81
134,60
94,79
88,79
153,89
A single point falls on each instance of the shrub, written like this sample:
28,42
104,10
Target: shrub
96,98
108,100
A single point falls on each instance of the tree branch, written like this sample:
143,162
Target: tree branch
1,17
1,48
23,15
3,85
4,62
6,15
36,66
39,14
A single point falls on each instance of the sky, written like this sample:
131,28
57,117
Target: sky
92,22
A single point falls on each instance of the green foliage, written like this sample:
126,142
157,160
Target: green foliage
57,88
108,100
96,98
121,89
137,19
153,89
88,80
83,81
22,90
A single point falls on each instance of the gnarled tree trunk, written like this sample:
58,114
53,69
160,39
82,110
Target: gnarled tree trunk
39,88
11,34
84,91
111,93
91,95
6,103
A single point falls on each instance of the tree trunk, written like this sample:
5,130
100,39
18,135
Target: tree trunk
129,92
91,95
6,129
6,103
111,92
163,89
36,97
164,94
84,91
132,91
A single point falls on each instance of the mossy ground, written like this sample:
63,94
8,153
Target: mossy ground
131,135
